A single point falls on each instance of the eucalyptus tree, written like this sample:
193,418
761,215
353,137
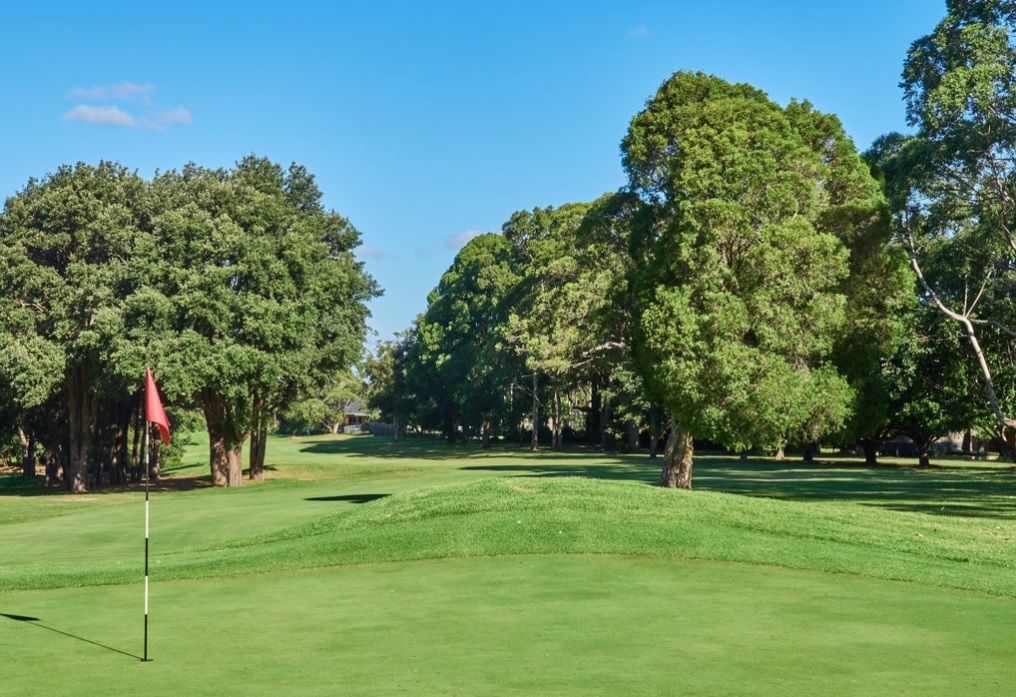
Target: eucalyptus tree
953,182
744,295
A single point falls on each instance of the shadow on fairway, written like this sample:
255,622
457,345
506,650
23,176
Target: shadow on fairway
621,470
34,621
972,492
426,448
350,498
963,492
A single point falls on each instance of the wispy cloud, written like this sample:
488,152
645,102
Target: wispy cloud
103,115
372,253
95,92
128,90
639,32
148,115
459,241
174,117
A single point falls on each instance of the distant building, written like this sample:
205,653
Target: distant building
354,417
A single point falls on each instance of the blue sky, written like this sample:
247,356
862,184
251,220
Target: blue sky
424,123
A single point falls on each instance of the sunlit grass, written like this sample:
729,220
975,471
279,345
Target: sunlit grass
366,566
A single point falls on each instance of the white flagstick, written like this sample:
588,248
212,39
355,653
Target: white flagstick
147,468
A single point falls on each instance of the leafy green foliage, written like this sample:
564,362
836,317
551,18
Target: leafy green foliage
236,286
951,184
744,297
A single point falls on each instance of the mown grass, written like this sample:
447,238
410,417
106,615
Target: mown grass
365,566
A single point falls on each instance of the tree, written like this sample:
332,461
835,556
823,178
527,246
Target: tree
952,184
388,389
67,269
743,299
325,407
547,325
260,294
458,339
929,383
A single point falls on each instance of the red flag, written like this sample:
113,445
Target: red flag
153,407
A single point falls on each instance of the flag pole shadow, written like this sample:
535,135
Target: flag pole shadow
35,622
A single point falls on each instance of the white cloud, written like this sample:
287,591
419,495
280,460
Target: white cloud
150,116
128,90
638,32
174,117
95,92
459,241
103,115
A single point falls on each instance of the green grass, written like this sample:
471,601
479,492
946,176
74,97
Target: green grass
364,566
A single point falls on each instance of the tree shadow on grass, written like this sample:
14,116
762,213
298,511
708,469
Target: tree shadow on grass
644,470
349,498
36,622
972,492
426,448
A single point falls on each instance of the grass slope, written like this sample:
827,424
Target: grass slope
370,567
497,517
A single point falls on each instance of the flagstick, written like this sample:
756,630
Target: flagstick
147,468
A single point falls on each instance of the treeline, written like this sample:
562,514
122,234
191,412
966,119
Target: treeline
750,287
235,285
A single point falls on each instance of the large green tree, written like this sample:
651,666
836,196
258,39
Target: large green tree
953,182
458,346
67,269
744,296
259,296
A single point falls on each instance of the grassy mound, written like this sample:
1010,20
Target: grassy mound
575,515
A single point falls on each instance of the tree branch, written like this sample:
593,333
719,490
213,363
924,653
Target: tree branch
968,326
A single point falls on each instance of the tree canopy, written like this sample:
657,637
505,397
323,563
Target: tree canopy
744,297
236,286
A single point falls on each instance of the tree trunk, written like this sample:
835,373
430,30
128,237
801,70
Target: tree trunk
119,453
137,465
154,464
558,440
677,458
924,450
595,408
234,460
486,434
809,452
535,445
259,442
605,416
218,461
870,448
395,427
27,453
256,457
80,413
780,454
633,435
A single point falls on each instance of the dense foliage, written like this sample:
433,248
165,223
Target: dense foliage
236,286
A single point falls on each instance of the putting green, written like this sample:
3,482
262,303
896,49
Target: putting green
548,625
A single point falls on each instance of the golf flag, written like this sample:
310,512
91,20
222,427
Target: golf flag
153,407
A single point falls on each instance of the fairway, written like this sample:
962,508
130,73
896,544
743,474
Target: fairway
369,567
